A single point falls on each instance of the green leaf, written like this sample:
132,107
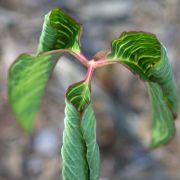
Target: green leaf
88,127
80,151
79,95
138,50
60,31
28,77
163,123
29,74
144,55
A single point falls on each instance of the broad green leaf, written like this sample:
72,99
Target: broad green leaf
88,127
29,74
60,31
80,151
28,77
163,124
73,149
144,55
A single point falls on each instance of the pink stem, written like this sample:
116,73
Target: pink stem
89,72
103,62
82,58
78,56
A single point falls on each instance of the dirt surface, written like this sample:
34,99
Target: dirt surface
120,99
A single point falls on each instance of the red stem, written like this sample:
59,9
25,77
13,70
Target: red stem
103,62
82,59
80,56
89,72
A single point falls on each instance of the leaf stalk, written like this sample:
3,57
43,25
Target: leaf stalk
90,71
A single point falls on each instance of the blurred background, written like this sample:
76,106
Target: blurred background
120,99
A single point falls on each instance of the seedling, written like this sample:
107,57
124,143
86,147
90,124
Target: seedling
140,52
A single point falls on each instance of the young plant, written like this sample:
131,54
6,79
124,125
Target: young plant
140,52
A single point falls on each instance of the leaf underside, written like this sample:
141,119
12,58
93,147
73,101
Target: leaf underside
80,151
28,77
163,124
144,55
29,74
